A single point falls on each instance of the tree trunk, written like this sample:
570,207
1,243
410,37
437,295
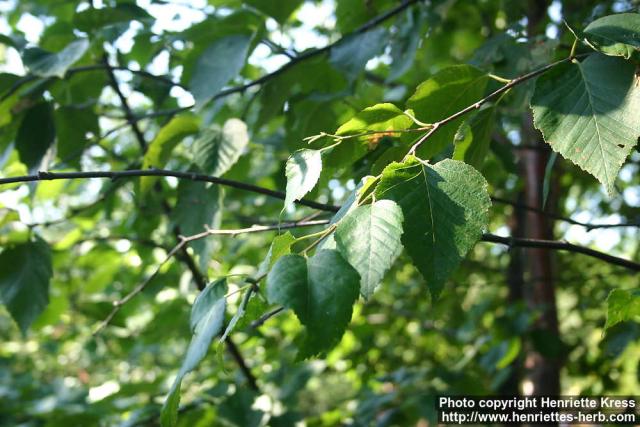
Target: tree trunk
543,367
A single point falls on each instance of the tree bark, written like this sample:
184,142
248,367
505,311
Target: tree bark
543,367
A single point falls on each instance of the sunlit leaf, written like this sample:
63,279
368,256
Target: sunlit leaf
587,111
369,239
302,170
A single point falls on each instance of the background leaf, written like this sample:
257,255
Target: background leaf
25,271
199,207
218,64
219,149
163,144
207,317
352,55
47,64
36,134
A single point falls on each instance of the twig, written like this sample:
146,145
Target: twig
478,104
131,173
557,217
561,246
88,68
183,241
268,315
302,57
128,113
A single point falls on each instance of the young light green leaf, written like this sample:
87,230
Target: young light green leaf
25,271
281,245
199,207
36,134
588,113
163,144
473,147
217,150
445,209
622,306
207,316
218,64
302,170
321,291
445,93
369,239
616,35
378,118
48,64
353,53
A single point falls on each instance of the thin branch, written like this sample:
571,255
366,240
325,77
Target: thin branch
478,104
237,356
557,217
131,173
255,229
183,241
128,113
297,59
88,68
268,315
561,246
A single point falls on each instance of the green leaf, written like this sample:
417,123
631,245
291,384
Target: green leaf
302,170
473,146
321,291
72,126
280,10
219,63
36,134
280,246
369,239
622,306
405,42
445,93
207,317
242,309
445,209
199,207
588,113
355,51
219,149
47,64
25,271
163,144
92,19
378,118
616,35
